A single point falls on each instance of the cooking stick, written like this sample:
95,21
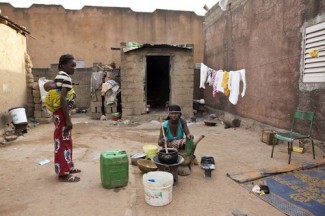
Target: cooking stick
163,132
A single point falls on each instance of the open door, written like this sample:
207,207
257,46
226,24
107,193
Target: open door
157,81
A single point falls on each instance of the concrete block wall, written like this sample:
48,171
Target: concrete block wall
132,82
133,78
81,77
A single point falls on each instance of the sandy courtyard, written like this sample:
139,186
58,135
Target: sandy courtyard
28,188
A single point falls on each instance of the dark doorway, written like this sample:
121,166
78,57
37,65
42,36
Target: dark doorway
157,81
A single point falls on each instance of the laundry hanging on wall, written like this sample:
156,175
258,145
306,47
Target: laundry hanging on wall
224,82
110,89
234,85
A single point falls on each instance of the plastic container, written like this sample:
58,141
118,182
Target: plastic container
114,168
158,188
189,147
18,115
150,150
116,116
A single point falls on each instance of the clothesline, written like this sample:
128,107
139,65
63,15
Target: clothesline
224,82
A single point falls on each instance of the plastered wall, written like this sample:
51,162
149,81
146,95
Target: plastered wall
265,38
90,33
12,72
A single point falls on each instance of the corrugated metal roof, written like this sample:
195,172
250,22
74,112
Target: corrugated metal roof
142,46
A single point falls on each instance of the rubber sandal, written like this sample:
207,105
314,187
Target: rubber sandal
69,178
75,170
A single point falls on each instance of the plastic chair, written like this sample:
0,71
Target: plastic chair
292,135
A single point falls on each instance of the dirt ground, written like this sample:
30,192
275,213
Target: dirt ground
28,188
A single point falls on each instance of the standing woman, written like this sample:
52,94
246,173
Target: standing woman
174,127
64,166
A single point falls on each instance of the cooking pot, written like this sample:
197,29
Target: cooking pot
168,158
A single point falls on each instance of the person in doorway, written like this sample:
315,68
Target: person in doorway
174,128
62,86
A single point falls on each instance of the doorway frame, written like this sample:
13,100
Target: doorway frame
145,87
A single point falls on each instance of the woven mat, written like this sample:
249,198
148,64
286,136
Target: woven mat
298,193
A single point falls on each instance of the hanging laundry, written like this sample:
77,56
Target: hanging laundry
96,81
203,75
217,87
213,80
110,88
209,76
105,87
224,83
234,85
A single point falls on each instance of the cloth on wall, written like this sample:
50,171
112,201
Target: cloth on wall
234,85
96,81
203,75
110,89
105,87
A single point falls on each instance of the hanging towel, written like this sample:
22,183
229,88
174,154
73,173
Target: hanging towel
203,75
213,83
224,83
218,81
209,77
234,85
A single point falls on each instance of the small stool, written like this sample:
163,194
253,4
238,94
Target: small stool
207,164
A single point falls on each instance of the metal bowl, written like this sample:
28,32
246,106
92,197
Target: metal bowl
135,157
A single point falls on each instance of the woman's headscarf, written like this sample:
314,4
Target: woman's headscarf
174,108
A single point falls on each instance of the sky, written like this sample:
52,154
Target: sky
135,5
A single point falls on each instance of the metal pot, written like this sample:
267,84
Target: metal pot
168,158
136,157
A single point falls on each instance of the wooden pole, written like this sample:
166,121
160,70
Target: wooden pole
163,132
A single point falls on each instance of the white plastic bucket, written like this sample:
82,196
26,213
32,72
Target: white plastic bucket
18,115
158,188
